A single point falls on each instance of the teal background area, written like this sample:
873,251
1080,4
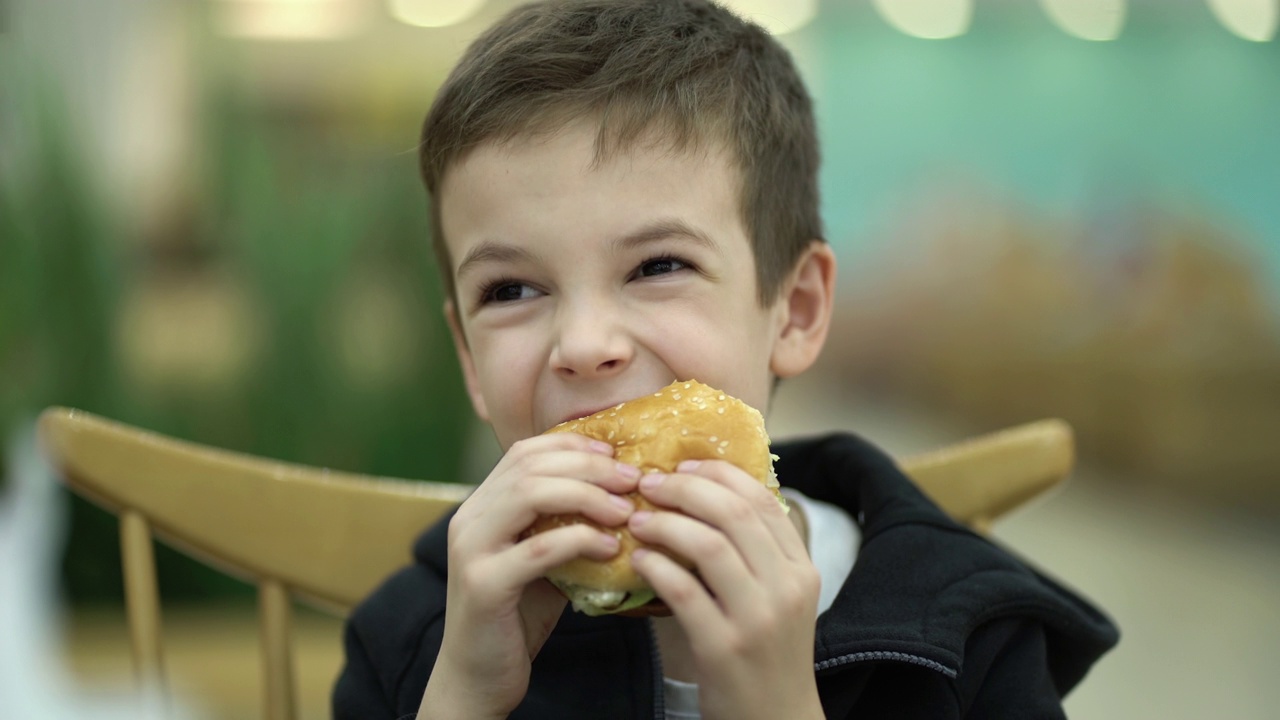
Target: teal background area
1176,112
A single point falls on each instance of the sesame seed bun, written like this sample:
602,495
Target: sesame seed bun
684,421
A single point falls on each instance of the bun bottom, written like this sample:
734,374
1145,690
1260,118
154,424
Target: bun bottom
653,608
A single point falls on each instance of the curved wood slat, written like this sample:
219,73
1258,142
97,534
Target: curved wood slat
333,536
978,480
329,536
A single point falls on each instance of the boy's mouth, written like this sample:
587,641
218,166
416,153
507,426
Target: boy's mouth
593,409
575,415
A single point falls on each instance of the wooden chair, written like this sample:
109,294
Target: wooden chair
330,537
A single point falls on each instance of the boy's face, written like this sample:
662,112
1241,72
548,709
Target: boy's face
581,286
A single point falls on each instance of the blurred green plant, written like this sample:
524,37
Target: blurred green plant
60,279
300,222
295,224
58,287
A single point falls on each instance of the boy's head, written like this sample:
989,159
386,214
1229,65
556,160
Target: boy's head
624,194
688,71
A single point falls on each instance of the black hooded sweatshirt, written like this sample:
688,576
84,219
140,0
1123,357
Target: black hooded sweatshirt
933,622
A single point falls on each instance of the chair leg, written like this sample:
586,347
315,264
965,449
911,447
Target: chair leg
274,616
142,606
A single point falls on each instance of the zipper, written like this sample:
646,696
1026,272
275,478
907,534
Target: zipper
655,657
881,655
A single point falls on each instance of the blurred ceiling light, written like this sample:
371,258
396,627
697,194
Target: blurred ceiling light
777,16
433,13
1088,19
289,19
1250,19
929,19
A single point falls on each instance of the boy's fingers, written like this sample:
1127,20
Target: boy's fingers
726,498
533,557
558,441
690,603
593,468
527,485
771,511
515,509
564,455
714,556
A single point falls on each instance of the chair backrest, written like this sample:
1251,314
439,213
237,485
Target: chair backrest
330,537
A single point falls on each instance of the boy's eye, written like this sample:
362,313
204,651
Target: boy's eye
660,266
504,291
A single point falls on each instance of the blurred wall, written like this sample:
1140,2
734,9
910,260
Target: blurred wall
1034,225
1176,112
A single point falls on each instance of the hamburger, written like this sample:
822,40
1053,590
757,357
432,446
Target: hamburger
684,421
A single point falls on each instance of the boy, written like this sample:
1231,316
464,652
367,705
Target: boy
625,195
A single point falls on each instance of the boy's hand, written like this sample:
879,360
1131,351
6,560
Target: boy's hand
750,619
500,610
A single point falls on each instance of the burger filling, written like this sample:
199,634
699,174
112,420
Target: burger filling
593,601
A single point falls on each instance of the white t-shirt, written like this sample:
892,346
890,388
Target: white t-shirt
833,555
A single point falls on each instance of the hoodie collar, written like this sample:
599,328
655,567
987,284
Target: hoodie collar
922,582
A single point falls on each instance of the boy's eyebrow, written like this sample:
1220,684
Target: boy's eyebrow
491,251
662,229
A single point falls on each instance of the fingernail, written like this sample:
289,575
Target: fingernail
628,471
639,553
688,466
603,448
641,517
609,542
652,480
621,502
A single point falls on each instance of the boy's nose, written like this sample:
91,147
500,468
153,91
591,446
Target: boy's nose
590,344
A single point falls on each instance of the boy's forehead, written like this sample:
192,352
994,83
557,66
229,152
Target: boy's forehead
575,150
607,146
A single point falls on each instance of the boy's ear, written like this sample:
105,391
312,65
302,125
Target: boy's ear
465,360
804,310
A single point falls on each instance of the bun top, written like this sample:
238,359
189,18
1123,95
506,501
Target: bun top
686,420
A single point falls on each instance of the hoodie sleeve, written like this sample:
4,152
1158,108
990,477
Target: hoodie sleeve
358,694
1006,677
392,638
1007,673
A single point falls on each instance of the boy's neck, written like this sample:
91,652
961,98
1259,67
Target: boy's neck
673,644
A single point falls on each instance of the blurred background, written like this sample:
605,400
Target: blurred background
211,226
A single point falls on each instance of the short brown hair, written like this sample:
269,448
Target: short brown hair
688,68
